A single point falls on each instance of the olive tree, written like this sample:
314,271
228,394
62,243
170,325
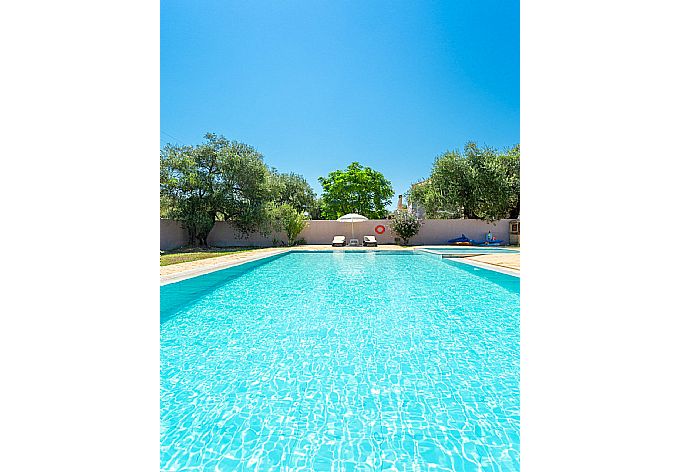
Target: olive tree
478,183
216,180
294,190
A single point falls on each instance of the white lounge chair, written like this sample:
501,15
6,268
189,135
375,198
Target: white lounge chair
338,241
370,241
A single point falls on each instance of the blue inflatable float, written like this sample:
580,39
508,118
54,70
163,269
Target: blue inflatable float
466,240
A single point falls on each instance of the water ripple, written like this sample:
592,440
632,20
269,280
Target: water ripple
344,362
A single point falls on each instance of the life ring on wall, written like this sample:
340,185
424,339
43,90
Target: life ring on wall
380,229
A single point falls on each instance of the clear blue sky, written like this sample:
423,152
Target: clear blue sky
315,85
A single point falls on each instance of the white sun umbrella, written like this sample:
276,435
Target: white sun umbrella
352,218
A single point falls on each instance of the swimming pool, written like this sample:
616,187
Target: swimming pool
376,360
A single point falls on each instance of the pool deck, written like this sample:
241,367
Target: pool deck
510,261
186,270
507,262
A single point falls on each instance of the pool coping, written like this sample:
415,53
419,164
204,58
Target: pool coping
188,274
484,265
195,272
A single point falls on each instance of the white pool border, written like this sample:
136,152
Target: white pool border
191,273
484,265
462,259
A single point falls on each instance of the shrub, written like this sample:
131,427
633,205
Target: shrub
405,225
291,221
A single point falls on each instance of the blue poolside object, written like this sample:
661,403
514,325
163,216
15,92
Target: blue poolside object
485,249
366,360
465,239
461,239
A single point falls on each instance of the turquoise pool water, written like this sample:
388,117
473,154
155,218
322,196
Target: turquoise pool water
354,361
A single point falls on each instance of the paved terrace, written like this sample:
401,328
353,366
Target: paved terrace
185,270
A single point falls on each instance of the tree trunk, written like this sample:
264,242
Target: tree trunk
191,237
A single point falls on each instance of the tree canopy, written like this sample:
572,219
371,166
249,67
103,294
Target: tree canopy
477,183
357,189
221,180
294,190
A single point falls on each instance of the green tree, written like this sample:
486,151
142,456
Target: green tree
316,210
290,220
216,180
357,189
294,190
511,161
496,181
405,225
478,183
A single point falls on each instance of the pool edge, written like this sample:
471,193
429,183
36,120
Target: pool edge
484,265
188,274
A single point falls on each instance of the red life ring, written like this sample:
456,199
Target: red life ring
380,229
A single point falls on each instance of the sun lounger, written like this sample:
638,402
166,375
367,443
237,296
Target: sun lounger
338,241
370,241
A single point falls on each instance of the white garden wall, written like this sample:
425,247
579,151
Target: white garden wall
322,231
